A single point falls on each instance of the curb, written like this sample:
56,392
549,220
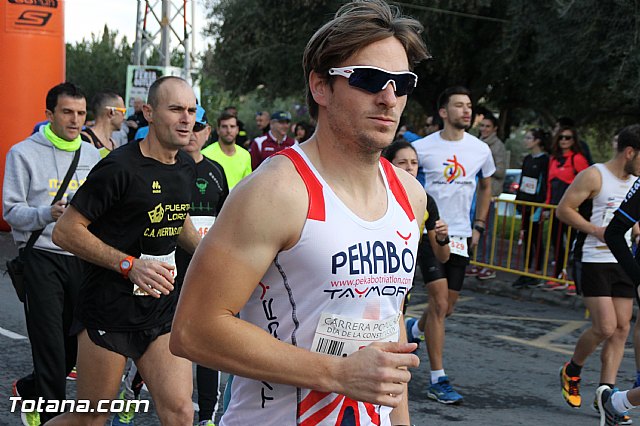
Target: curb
501,286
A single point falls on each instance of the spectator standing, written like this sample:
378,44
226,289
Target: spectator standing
302,131
570,122
488,134
262,122
533,188
236,162
137,119
275,140
565,162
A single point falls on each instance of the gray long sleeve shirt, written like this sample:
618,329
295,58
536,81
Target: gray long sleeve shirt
34,171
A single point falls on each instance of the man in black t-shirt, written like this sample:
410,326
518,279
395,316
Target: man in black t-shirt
209,192
127,223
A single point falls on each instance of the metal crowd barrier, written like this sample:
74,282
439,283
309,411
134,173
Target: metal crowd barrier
519,238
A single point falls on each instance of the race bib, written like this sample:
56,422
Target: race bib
458,245
341,336
167,258
203,224
529,185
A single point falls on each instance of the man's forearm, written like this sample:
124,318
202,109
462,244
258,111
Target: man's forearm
571,217
76,238
189,237
484,199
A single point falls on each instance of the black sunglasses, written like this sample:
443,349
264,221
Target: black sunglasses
565,137
198,127
374,79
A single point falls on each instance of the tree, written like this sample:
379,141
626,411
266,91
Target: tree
549,57
100,63
260,43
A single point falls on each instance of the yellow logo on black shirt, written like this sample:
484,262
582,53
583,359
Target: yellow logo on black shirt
155,187
156,214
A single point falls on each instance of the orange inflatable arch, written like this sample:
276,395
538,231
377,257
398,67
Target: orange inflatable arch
32,61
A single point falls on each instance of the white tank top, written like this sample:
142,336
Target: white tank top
339,288
612,192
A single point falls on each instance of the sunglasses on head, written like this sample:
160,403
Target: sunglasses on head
198,127
565,137
374,79
122,110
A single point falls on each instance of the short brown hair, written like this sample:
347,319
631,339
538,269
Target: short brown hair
355,26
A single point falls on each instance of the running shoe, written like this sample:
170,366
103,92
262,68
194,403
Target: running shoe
486,274
126,417
73,375
526,282
555,286
608,415
27,418
207,423
625,419
472,271
570,388
443,392
410,337
30,419
571,290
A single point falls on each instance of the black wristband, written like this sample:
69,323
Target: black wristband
443,242
479,228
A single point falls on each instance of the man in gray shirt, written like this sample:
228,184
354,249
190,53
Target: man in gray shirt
34,171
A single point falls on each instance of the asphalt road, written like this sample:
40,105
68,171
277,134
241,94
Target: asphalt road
501,354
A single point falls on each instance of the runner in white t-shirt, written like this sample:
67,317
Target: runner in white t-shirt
454,163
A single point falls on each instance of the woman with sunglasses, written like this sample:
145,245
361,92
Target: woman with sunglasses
533,188
567,160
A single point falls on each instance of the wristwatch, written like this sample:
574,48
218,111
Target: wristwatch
125,266
443,242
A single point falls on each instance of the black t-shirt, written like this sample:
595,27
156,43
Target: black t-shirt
137,205
434,214
533,180
627,215
209,192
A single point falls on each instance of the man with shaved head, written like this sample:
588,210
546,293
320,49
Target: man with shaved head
127,224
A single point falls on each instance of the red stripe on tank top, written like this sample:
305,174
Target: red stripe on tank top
314,187
397,189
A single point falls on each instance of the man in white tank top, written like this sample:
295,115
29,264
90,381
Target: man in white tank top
588,206
315,251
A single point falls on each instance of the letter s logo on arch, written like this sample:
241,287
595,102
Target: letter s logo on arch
42,3
34,18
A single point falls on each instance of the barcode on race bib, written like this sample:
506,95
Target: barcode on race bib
330,347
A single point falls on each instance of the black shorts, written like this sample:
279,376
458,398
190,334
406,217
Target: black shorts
433,270
132,344
430,266
602,280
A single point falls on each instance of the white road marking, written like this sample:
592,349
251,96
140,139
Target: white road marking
10,334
